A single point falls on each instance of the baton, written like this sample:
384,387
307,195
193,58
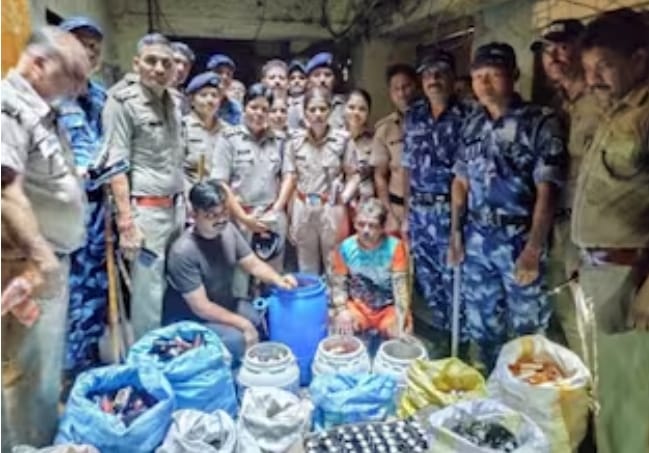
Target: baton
455,320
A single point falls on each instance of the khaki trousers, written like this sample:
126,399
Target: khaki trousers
32,363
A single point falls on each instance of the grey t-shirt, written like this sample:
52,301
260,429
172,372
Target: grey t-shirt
194,261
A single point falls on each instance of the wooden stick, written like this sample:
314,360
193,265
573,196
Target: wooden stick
201,167
113,309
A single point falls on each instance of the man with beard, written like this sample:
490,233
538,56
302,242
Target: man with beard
388,144
580,113
142,130
370,278
201,265
431,135
320,73
610,224
509,167
297,82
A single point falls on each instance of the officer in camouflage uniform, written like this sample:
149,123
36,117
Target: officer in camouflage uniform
248,159
431,136
142,124
610,224
54,64
320,72
510,163
81,119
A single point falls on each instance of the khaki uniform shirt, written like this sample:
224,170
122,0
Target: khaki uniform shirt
387,147
34,147
611,208
144,130
251,167
362,147
583,116
198,142
337,116
295,111
319,164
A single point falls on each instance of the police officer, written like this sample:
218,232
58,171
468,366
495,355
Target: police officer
320,73
315,167
388,144
580,112
201,127
431,135
184,59
248,159
357,111
508,169
54,64
81,119
230,110
610,223
142,126
278,116
297,82
274,75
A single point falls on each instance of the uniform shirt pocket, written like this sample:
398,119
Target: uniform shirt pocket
622,158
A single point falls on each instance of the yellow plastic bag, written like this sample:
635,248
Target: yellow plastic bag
439,383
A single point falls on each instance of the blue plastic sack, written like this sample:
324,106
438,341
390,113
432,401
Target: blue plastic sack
83,421
201,377
351,398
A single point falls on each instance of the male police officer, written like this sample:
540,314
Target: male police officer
184,59
509,166
388,143
431,137
580,113
297,82
610,223
230,110
320,73
54,64
142,128
81,119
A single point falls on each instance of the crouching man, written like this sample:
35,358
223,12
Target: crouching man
200,266
369,278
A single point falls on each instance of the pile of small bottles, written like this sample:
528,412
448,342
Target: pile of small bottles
390,437
169,348
127,403
486,434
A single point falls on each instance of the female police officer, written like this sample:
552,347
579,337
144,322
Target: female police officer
316,162
248,159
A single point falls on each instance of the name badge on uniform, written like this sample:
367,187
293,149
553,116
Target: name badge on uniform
313,199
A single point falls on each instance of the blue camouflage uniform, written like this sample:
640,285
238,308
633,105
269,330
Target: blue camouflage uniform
503,161
81,119
429,152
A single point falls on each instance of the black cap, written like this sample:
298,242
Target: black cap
296,65
562,30
495,54
436,57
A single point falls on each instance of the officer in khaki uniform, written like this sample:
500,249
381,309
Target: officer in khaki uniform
142,128
388,145
315,167
320,73
54,64
581,113
296,86
248,159
610,224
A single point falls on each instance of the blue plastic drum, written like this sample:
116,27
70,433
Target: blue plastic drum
298,318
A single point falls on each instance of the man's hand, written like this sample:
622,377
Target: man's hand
455,249
287,281
344,323
250,334
527,265
130,239
254,224
639,309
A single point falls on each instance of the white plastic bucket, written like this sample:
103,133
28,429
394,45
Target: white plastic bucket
269,364
395,356
339,353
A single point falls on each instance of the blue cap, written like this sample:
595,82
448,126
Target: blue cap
495,54
436,57
202,80
296,65
219,59
77,22
323,59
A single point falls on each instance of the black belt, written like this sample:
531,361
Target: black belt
491,218
396,199
425,198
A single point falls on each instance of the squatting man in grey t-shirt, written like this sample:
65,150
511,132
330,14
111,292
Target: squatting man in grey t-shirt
200,266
